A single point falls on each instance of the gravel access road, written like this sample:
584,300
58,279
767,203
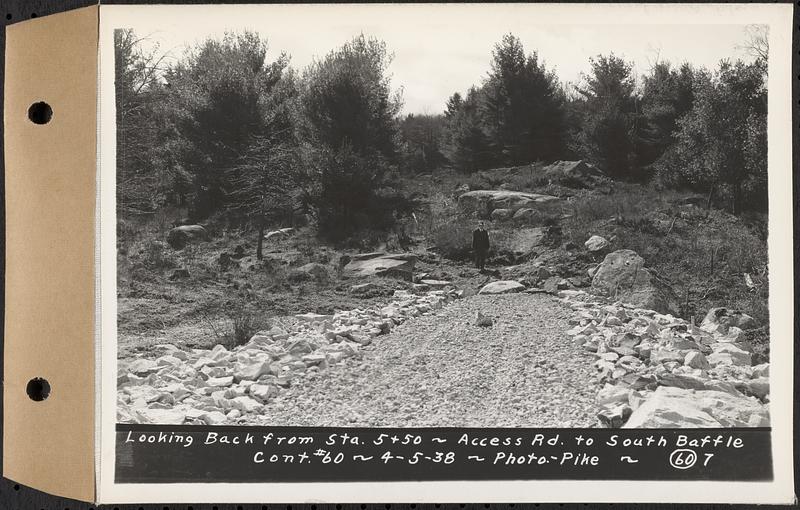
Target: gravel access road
442,370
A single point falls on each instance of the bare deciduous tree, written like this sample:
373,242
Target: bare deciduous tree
757,44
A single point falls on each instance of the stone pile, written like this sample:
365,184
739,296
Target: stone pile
222,386
655,370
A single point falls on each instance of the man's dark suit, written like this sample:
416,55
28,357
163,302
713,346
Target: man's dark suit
480,246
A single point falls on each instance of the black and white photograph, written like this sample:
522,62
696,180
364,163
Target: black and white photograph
421,221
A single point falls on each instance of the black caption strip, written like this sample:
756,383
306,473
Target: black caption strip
203,454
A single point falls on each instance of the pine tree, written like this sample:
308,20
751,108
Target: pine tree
611,121
522,106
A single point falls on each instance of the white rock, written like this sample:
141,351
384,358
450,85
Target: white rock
142,366
162,416
195,414
313,359
761,370
436,283
696,359
610,394
733,334
596,244
168,360
260,339
218,353
263,392
313,317
758,387
220,381
671,407
247,404
213,418
721,319
728,354
251,372
502,287
279,333
334,357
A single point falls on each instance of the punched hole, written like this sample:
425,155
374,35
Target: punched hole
38,389
40,113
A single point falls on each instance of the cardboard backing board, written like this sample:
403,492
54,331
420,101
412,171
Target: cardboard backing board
50,268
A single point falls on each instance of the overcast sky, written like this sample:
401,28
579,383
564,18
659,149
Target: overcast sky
447,48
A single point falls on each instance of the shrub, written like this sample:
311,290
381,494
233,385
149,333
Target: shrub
240,321
477,182
453,240
242,326
126,230
156,256
743,251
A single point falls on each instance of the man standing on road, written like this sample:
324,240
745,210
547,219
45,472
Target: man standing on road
480,245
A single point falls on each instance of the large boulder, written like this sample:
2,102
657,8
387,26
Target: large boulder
527,216
179,237
313,271
501,214
483,202
672,407
574,173
622,276
501,287
399,265
523,240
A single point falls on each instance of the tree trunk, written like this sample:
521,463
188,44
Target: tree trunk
260,244
737,198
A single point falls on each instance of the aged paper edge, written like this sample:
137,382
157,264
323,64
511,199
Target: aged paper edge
50,231
778,491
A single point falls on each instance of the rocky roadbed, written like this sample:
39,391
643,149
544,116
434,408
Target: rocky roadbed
375,367
444,370
505,357
219,386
